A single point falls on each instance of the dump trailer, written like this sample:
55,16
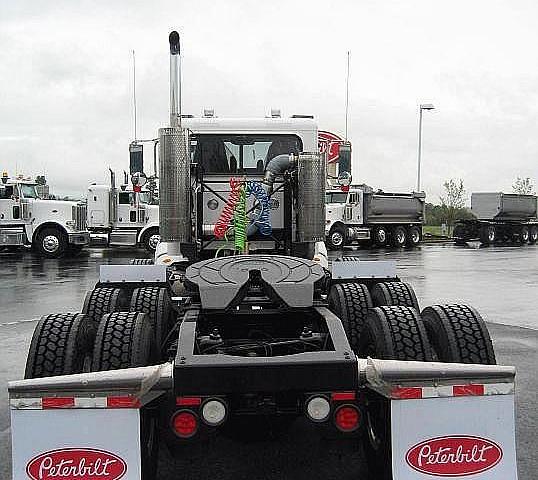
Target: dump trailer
238,323
358,213
500,218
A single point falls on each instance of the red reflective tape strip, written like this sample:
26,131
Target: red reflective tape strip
188,401
122,402
406,392
338,396
57,402
467,390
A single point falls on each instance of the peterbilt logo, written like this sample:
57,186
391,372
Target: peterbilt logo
329,143
454,456
75,464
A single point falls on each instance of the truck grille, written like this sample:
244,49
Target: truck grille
79,216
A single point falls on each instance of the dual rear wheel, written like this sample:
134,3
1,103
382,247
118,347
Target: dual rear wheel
386,323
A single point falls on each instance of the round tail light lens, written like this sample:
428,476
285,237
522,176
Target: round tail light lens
318,409
347,418
214,412
185,424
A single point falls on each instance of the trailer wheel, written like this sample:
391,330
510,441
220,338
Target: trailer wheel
533,235
151,239
124,340
336,238
392,333
524,234
458,334
399,236
394,293
103,300
381,236
155,301
51,242
350,302
61,345
488,234
141,261
414,236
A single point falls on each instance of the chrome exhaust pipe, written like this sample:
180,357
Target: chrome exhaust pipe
174,169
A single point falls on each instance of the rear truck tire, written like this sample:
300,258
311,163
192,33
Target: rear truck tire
350,302
51,242
394,293
524,234
151,239
61,345
399,236
124,340
414,236
103,300
381,236
155,301
336,238
458,334
488,234
533,234
141,261
392,333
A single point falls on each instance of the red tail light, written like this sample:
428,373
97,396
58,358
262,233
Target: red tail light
185,423
347,418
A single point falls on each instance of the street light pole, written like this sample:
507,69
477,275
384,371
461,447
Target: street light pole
423,106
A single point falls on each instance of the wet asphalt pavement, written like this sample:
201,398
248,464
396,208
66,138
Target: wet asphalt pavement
501,282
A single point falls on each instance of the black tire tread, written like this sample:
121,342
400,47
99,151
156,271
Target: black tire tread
399,332
351,302
155,301
459,334
394,293
59,344
102,300
122,341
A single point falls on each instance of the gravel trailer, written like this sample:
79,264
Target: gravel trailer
208,340
500,218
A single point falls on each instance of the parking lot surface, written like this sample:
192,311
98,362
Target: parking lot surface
501,282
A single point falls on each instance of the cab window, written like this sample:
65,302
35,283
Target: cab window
6,192
124,198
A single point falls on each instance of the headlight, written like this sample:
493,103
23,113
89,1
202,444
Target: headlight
70,224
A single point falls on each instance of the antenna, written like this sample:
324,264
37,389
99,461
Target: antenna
347,93
134,94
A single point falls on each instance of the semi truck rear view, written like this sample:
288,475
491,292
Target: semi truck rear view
241,321
500,218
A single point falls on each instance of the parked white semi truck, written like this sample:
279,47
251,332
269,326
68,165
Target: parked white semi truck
240,327
51,227
358,213
124,216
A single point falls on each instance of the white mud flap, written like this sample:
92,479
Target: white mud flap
73,443
83,426
448,420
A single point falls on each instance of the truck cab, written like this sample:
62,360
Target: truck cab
51,227
123,216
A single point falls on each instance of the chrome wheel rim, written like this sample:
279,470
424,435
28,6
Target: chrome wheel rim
153,241
381,236
51,244
337,238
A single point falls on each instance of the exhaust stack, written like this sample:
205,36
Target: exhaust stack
174,170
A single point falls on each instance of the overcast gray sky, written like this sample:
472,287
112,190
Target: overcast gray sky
66,81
